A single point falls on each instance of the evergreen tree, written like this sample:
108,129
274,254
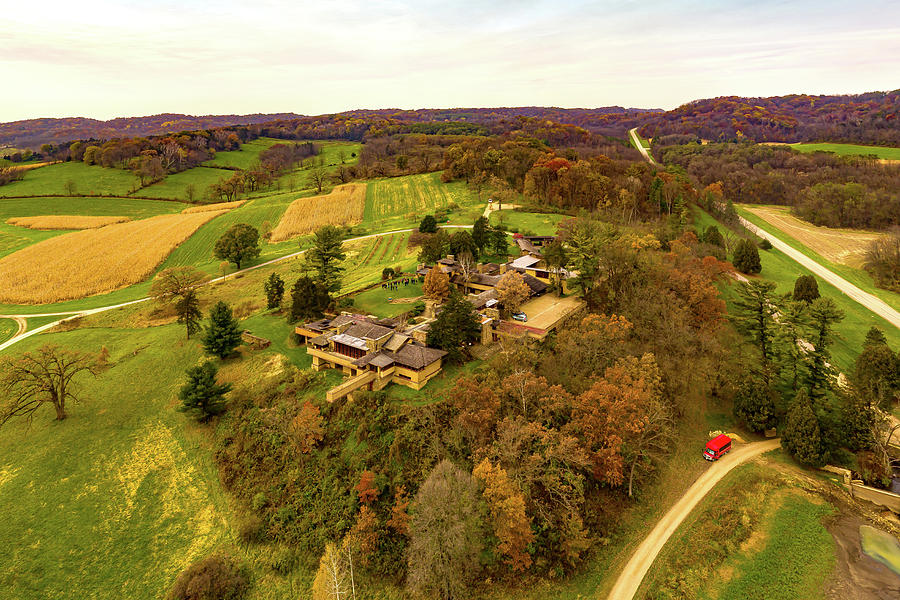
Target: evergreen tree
239,243
806,288
801,436
201,395
309,299
461,242
876,376
499,241
754,404
188,309
754,316
793,322
428,224
875,337
223,334
455,327
325,256
823,316
858,420
713,237
481,231
434,248
746,257
274,288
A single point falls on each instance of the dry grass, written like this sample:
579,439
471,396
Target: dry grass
343,206
211,207
93,261
843,246
65,221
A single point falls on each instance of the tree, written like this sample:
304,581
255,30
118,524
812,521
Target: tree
713,237
215,576
201,395
318,175
790,343
746,257
754,404
507,505
455,327
188,310
801,436
434,247
436,285
428,225
223,334
499,242
274,288
333,580
876,375
824,314
174,282
239,243
481,232
306,429
512,291
325,256
387,273
43,376
806,289
309,299
445,534
754,316
557,258
461,242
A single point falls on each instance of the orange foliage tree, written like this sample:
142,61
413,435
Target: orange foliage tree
507,505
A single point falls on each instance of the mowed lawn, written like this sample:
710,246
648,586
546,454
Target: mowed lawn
414,196
527,223
850,150
377,301
88,180
8,328
176,185
116,500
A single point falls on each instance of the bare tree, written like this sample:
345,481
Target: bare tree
44,376
172,283
318,176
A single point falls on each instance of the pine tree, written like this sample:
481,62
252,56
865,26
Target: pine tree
713,237
428,224
806,288
802,436
481,231
754,404
188,309
223,334
746,257
309,299
274,288
754,316
455,327
325,256
824,314
201,395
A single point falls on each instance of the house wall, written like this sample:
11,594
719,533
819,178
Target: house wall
417,379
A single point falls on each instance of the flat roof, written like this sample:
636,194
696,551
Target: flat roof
349,340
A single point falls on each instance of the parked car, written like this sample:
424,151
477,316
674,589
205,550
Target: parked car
717,447
520,316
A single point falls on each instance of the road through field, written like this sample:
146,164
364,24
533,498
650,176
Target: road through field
876,305
83,313
637,144
632,575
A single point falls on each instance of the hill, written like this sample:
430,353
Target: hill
34,132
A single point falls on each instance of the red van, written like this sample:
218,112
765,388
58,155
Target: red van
717,447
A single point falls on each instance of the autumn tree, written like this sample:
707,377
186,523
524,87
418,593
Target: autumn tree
238,244
274,289
318,175
366,488
445,534
399,520
436,285
201,396
512,291
333,580
45,376
325,256
507,507
173,282
477,406
223,334
307,428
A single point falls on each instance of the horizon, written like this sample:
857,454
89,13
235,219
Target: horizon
122,59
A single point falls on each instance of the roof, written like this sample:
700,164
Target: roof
525,245
344,319
417,356
368,331
484,298
349,340
537,286
321,325
718,442
396,342
321,340
523,262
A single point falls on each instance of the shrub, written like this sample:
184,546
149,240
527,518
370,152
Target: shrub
282,560
387,273
215,577
765,244
806,288
746,257
250,530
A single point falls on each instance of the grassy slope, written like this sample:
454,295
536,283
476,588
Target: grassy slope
245,157
175,186
527,223
88,180
777,267
135,208
402,201
375,301
117,499
850,150
367,259
7,328
857,277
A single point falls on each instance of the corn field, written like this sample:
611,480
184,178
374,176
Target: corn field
210,207
94,261
343,206
65,221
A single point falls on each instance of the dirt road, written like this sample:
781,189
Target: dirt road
633,574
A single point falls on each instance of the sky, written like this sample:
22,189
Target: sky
107,58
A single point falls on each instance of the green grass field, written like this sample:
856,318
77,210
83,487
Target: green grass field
527,223
410,198
8,328
245,157
777,267
92,180
175,186
377,301
850,150
857,277
136,208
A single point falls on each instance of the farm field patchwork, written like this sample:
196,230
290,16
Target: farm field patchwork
65,221
414,196
366,259
87,180
343,206
136,208
14,238
246,156
93,261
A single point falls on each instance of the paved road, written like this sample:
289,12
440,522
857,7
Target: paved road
637,144
876,305
639,563
80,313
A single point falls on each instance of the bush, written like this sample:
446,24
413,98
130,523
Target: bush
417,309
387,273
765,244
213,578
250,530
746,257
282,560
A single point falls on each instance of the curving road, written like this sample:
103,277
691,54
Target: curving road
637,144
21,335
632,575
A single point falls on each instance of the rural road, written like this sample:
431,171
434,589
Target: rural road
20,319
633,574
876,305
637,144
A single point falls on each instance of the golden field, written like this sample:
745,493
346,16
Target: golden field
343,206
94,261
65,221
211,207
